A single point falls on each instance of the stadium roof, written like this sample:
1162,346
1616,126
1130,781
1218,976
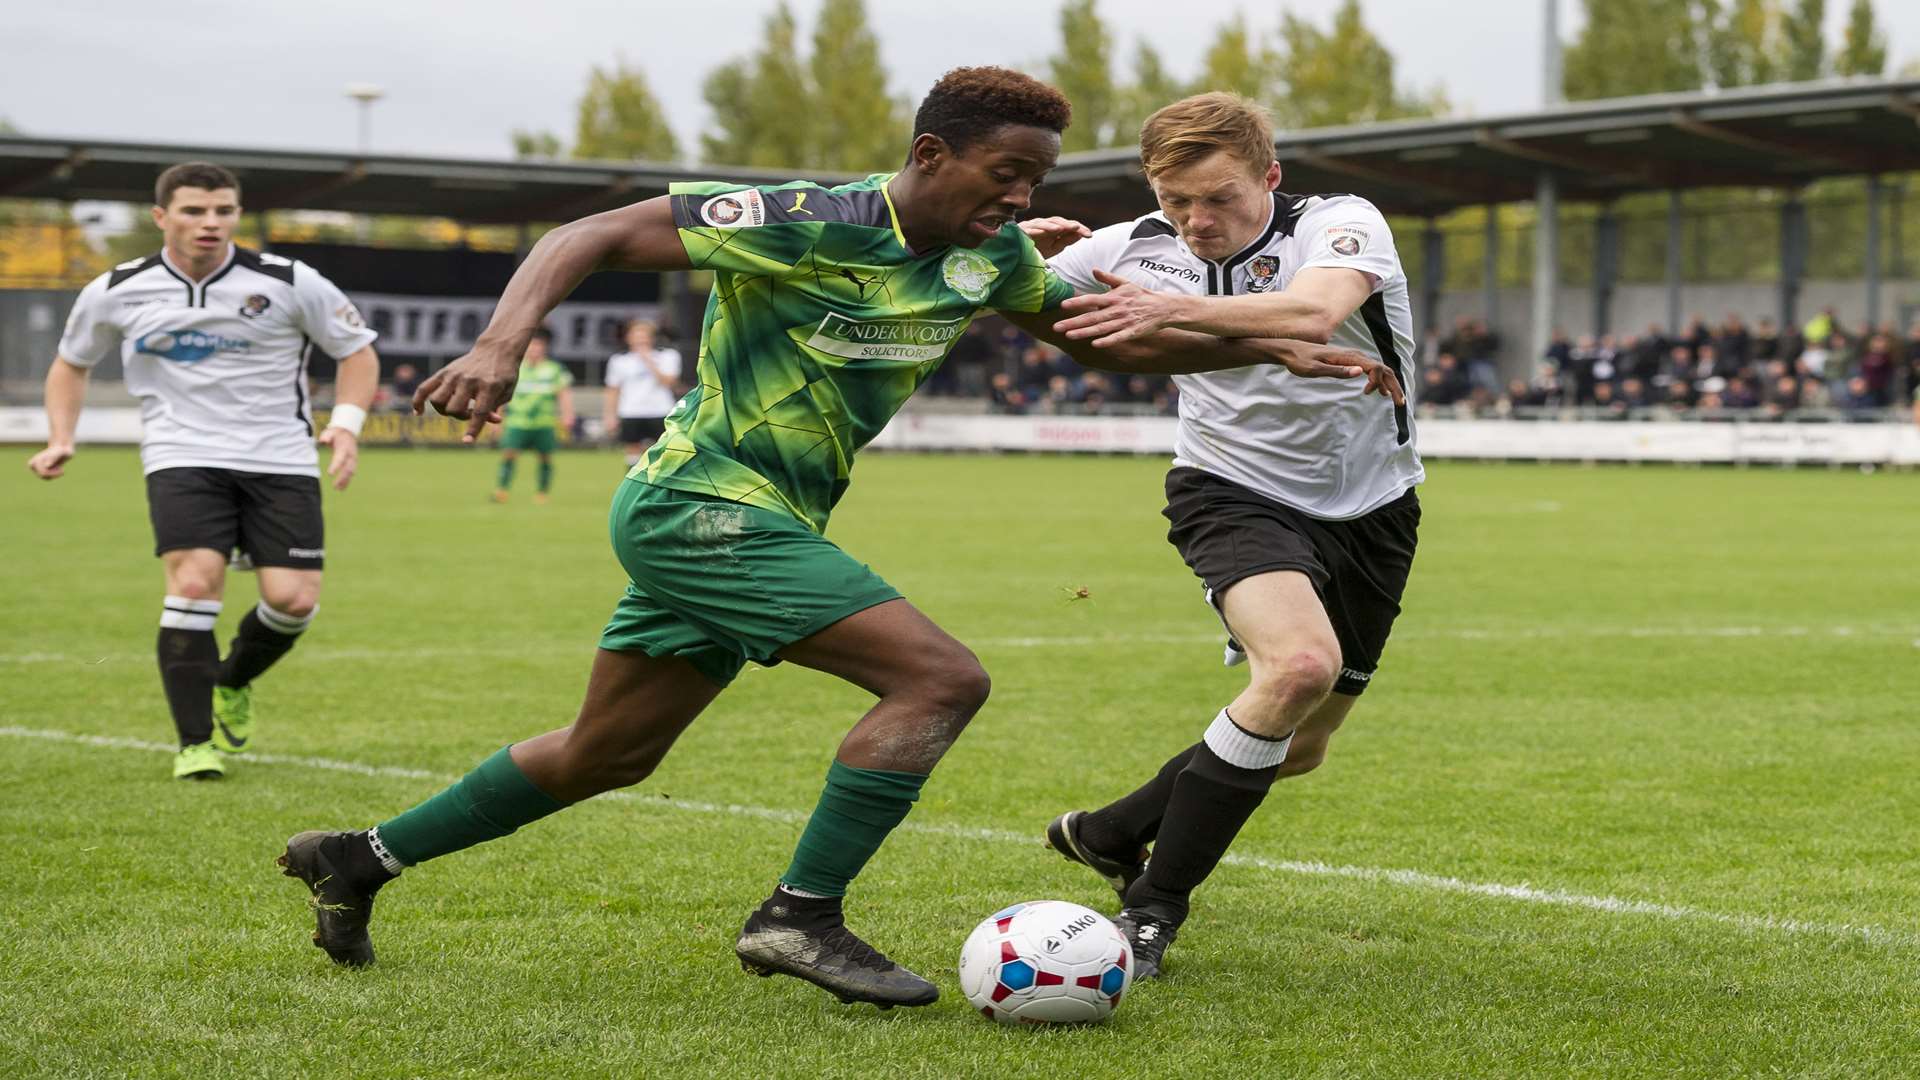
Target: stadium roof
1753,137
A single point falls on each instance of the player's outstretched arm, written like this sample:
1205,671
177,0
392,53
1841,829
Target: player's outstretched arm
66,392
637,237
1317,300
1184,352
354,385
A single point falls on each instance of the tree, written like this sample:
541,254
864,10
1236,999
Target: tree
856,124
1343,75
1238,62
1864,51
1153,86
535,144
1744,46
1633,47
1805,41
619,118
1083,71
763,105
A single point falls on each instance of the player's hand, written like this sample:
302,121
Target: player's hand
1052,235
346,455
474,387
1122,314
50,464
1310,361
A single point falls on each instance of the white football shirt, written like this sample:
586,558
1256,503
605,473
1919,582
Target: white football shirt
1317,445
219,365
641,394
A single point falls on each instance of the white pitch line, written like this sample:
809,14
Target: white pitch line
327,653
1411,879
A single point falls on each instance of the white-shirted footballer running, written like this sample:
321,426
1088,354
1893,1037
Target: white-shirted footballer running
214,342
1291,499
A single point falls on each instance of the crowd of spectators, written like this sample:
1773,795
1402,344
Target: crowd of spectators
1020,376
1762,371
1821,369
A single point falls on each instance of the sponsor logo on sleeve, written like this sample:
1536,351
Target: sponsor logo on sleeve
970,274
1347,240
350,316
734,210
1262,272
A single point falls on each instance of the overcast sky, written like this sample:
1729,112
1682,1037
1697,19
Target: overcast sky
460,76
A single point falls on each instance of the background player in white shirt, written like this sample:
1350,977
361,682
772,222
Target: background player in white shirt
645,380
214,342
1292,500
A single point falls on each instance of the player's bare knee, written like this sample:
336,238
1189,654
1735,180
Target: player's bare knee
960,687
297,603
190,584
1303,676
603,768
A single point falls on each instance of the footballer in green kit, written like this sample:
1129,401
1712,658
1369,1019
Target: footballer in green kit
829,306
541,408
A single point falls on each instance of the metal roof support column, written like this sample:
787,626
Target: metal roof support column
1793,256
1433,273
1896,250
1546,261
1675,241
1490,283
1874,194
1606,267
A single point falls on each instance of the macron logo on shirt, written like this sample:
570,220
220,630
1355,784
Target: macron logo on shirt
1183,272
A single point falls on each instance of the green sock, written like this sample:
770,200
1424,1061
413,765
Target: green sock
857,810
506,474
487,803
546,474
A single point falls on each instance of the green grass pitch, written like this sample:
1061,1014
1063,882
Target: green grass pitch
1633,795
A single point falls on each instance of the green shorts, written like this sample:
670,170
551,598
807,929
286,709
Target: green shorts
539,439
720,583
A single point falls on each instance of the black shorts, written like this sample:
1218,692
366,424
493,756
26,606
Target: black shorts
275,519
1227,533
635,429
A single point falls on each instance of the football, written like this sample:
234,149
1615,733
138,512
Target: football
1046,962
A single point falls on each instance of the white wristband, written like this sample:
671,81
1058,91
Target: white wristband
347,418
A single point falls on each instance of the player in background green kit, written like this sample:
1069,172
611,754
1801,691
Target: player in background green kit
542,398
829,307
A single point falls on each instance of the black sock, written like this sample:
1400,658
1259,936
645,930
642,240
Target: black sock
257,646
356,859
1129,823
1212,799
189,663
805,912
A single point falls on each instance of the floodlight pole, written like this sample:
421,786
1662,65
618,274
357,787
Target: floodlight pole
1546,200
366,94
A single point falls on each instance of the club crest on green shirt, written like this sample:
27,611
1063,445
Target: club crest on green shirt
969,273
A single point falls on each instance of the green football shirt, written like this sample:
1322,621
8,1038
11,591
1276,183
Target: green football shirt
821,324
536,397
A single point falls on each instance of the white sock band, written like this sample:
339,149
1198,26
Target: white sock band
802,893
1236,745
387,859
180,613
282,623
